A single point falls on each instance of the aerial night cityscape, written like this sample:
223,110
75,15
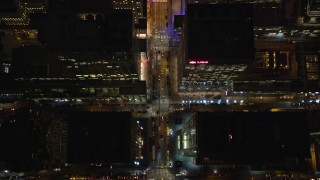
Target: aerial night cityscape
159,89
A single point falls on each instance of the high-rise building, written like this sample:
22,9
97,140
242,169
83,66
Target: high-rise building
19,140
57,140
212,53
283,43
105,138
211,38
17,13
259,140
138,8
80,44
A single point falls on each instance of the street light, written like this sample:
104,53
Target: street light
137,163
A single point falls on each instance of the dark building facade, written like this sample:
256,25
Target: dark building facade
220,34
106,137
109,29
99,138
22,148
262,140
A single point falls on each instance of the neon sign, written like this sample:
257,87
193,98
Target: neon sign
198,61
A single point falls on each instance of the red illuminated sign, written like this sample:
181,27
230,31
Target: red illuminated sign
198,61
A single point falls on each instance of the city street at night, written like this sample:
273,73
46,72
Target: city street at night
159,89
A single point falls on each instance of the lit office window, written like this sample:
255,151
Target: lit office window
312,67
